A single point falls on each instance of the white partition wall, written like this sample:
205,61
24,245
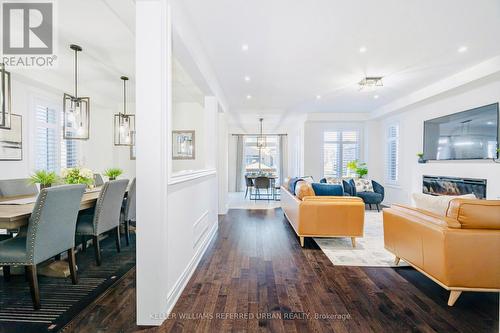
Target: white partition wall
153,56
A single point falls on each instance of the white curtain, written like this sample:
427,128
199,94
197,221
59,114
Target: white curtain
239,162
283,157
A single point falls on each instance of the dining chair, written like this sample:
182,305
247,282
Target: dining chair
105,217
249,185
128,214
262,183
98,181
15,187
51,231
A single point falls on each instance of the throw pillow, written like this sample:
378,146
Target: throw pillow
363,185
437,204
291,184
308,179
333,180
303,189
322,189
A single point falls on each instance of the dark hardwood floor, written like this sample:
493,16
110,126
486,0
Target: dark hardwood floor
256,277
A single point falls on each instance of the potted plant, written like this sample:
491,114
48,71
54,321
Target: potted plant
113,173
78,176
359,168
44,178
421,158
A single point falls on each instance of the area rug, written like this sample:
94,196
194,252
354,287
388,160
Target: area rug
61,300
369,250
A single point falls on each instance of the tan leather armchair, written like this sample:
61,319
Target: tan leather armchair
459,251
324,216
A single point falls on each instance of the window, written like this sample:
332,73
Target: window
392,154
52,151
268,156
339,148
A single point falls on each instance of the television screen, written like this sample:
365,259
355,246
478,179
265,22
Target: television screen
466,135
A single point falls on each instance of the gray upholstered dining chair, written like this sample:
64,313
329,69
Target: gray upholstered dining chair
98,181
128,214
15,187
51,230
261,183
106,216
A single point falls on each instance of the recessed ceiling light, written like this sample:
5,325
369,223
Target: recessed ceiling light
376,96
362,49
244,47
247,78
249,96
318,96
462,49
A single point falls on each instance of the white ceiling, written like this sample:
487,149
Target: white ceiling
300,49
105,30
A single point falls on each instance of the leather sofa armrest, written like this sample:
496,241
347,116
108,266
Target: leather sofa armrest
474,213
427,216
332,198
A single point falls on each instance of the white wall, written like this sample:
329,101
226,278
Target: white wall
98,153
478,93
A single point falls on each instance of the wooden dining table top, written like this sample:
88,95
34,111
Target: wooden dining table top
14,216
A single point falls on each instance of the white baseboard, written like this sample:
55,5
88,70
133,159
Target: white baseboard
181,283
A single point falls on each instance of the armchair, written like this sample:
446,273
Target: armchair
369,198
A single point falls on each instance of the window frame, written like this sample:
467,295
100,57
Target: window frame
388,140
340,143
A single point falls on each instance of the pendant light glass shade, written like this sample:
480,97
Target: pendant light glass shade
124,124
76,110
5,104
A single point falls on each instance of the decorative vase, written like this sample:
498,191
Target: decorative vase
112,178
421,160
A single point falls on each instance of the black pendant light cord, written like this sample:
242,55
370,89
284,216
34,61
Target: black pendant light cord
76,73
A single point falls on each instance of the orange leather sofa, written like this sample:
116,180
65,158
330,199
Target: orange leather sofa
324,216
459,251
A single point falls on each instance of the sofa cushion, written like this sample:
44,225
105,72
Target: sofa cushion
322,189
437,204
303,189
363,185
370,197
291,184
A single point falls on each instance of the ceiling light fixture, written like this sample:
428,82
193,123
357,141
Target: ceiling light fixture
244,47
318,96
376,96
462,49
247,78
76,109
249,96
5,104
371,82
362,49
124,124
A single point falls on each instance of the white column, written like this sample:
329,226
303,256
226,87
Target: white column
153,91
222,162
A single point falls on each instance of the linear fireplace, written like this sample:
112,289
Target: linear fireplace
436,185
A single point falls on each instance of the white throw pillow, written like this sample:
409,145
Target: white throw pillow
333,180
363,185
437,204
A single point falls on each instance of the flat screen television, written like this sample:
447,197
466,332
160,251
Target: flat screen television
467,135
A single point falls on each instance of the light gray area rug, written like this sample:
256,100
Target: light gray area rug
369,250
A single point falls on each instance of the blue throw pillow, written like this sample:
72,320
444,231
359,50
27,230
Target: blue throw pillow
292,183
328,189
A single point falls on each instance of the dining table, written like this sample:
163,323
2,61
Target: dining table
15,213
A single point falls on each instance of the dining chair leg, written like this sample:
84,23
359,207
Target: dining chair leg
6,273
33,281
72,265
118,245
97,249
84,243
127,232
246,192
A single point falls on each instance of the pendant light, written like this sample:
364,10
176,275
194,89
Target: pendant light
76,109
261,139
5,107
124,124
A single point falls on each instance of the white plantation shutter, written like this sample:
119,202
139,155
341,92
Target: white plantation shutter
392,154
51,151
339,148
